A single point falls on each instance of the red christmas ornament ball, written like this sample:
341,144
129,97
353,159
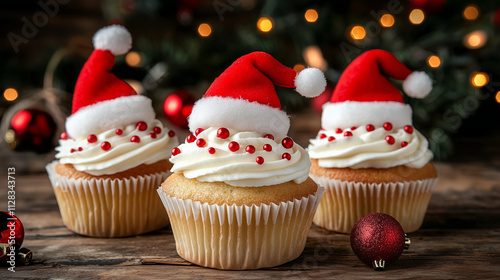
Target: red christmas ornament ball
11,231
377,239
177,107
34,130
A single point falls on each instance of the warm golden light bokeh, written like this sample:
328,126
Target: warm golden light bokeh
471,12
475,39
10,94
311,15
133,59
479,79
264,24
417,16
387,20
299,67
433,61
358,32
314,58
204,30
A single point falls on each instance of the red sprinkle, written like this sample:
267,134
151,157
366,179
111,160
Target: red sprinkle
267,147
409,129
354,127
404,144
135,139
80,149
198,131
338,130
223,133
286,156
72,150
152,135
331,138
347,134
287,142
322,135
250,149
176,151
211,150
190,138
157,130
259,160
171,133
64,136
200,142
389,139
119,132
105,145
142,126
91,138
370,127
233,146
387,126
270,136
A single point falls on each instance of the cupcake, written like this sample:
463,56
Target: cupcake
368,156
114,153
240,196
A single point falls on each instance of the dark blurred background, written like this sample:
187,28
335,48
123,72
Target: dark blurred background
181,46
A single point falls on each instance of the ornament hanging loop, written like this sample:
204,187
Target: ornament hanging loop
407,242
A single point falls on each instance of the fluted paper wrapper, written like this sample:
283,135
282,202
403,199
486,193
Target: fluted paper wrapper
240,237
109,208
344,203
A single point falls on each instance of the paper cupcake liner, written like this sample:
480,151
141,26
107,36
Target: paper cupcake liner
240,237
344,203
109,208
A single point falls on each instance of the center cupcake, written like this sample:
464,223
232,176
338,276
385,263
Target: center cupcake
240,196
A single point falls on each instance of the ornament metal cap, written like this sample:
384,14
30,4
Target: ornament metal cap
378,265
407,242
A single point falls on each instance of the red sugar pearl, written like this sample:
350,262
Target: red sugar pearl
211,150
259,160
387,126
404,144
105,146
222,133
409,129
91,138
64,136
171,133
287,142
135,139
331,138
347,134
157,130
176,151
322,135
198,131
233,146
142,126
80,149
190,138
250,149
286,156
72,150
269,136
200,142
390,140
119,132
152,135
338,130
354,127
267,147
370,127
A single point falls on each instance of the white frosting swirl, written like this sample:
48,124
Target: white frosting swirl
122,155
369,149
240,168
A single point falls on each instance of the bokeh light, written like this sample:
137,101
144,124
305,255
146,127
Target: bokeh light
311,15
433,61
387,20
475,39
299,67
204,30
133,59
417,16
358,32
264,24
471,12
497,97
314,57
10,94
479,79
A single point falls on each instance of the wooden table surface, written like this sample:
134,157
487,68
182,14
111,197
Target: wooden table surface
460,239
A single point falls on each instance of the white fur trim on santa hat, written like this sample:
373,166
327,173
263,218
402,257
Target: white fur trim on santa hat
417,85
238,114
353,113
109,114
310,82
114,38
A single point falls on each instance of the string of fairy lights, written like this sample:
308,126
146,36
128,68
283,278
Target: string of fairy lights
314,57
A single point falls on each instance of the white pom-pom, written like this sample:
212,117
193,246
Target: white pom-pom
114,38
310,82
417,85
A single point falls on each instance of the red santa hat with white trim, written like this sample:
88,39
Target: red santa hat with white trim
102,101
364,95
243,97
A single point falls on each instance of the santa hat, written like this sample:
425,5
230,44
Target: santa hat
364,95
243,97
102,101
